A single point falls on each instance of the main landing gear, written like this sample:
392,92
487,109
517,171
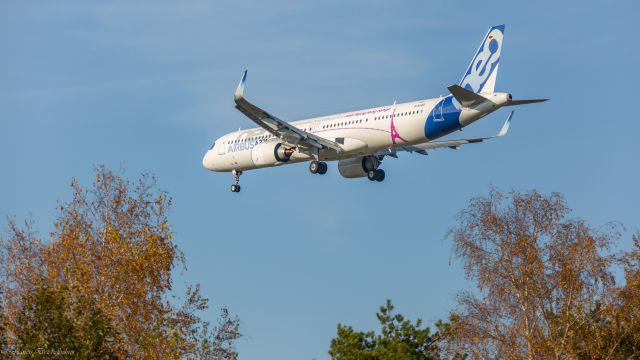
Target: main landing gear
371,164
235,187
318,167
376,175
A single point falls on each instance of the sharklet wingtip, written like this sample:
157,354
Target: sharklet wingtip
240,89
505,127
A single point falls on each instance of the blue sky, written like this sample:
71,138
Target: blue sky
149,85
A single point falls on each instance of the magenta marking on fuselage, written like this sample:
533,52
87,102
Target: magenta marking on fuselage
394,132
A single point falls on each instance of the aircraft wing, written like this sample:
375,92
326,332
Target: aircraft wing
452,144
278,127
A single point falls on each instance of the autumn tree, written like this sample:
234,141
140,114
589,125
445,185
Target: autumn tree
624,325
48,325
544,283
112,243
399,339
4,346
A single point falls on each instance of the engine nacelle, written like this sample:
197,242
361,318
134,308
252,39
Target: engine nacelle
270,153
357,167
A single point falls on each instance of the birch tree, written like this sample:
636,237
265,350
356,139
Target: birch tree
541,278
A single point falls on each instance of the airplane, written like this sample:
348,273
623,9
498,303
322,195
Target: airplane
360,140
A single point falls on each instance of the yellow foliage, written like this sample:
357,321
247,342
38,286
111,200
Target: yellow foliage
113,242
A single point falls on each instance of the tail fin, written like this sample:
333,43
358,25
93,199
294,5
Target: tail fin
483,70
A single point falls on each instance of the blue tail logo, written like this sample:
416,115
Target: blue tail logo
483,70
443,119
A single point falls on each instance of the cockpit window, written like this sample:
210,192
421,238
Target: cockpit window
212,145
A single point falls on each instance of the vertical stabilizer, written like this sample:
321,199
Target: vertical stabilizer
483,70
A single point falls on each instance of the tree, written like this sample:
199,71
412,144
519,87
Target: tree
625,326
112,243
544,283
48,325
4,345
399,339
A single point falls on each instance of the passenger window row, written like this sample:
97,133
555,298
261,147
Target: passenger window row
328,126
413,112
343,123
269,136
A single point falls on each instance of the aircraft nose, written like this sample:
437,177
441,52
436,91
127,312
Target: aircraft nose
207,161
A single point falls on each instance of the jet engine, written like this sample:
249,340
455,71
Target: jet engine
271,153
357,167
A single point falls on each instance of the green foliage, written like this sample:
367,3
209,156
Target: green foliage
399,339
50,326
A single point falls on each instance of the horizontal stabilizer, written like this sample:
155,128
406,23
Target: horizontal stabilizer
522,102
465,97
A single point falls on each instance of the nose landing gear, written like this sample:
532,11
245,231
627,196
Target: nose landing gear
235,187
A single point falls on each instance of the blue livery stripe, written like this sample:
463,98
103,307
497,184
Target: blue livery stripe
443,119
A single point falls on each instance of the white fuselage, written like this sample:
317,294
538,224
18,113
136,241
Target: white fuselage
360,133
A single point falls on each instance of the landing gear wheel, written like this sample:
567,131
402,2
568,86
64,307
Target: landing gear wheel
323,168
376,175
314,167
236,181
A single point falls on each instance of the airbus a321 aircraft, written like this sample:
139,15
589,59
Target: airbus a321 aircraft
360,140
